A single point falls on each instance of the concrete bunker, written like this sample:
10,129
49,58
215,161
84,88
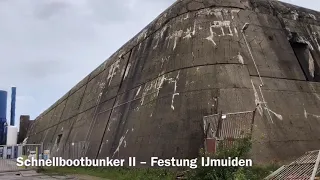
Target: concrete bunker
190,63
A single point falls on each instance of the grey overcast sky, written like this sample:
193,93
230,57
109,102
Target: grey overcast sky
47,46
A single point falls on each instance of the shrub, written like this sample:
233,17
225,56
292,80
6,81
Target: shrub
240,149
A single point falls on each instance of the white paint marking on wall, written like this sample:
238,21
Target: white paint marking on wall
312,16
311,65
112,120
317,95
222,25
205,12
176,36
168,41
187,17
138,91
163,30
316,40
142,35
279,116
101,148
156,85
212,34
257,99
157,38
218,14
233,12
127,71
306,114
236,32
314,91
189,32
295,15
225,12
205,125
161,19
302,39
240,58
121,54
171,80
113,70
153,85
125,144
172,101
122,139
122,72
310,45
164,60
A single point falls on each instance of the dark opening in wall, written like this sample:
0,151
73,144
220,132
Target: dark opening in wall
58,139
307,62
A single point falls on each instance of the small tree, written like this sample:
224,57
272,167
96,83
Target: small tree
240,149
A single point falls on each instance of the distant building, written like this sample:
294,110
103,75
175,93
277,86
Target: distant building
3,117
25,123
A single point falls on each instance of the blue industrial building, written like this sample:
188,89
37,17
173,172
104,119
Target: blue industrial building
3,113
3,117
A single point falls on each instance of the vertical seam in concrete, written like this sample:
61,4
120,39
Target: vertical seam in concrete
62,111
82,97
96,108
262,83
48,129
58,124
114,103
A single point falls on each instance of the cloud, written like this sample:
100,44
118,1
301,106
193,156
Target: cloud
50,8
49,46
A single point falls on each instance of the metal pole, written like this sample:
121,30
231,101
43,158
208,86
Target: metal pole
252,122
219,126
316,165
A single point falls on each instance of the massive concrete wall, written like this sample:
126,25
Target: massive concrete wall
149,98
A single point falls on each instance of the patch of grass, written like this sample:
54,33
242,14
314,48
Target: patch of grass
241,150
114,173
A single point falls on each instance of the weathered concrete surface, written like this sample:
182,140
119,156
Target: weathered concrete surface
149,98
